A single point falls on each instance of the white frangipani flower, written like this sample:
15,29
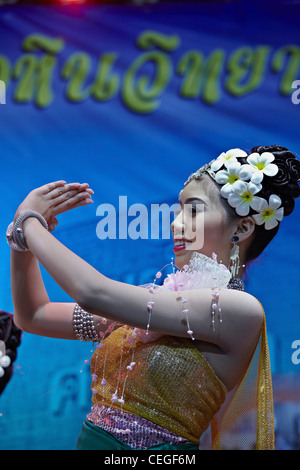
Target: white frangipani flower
234,172
241,181
269,214
4,362
261,165
226,157
242,197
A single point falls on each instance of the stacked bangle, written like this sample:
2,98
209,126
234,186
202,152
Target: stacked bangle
14,234
83,325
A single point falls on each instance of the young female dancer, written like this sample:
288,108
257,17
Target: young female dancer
195,355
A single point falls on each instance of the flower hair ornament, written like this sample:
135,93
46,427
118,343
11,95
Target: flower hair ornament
241,182
4,359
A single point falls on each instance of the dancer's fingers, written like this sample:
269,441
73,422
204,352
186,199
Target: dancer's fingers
49,187
52,223
58,191
58,188
78,199
69,196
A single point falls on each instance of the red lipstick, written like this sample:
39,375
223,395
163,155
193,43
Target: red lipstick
180,244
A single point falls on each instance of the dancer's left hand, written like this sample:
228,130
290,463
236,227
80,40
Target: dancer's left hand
55,198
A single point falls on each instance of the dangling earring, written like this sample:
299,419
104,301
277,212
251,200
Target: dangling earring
234,264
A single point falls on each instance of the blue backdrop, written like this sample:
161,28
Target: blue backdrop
132,100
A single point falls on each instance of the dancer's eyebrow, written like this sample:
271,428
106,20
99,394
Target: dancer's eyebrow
189,199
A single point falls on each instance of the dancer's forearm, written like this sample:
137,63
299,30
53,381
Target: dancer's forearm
27,286
70,272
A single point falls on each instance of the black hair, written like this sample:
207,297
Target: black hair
11,335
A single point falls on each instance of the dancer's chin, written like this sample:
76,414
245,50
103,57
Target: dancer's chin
182,257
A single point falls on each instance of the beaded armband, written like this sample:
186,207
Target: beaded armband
83,325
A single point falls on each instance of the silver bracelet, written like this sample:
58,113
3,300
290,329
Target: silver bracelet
9,238
83,324
14,235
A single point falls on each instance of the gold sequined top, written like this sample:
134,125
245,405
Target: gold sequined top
167,382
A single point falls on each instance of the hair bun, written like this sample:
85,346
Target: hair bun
288,170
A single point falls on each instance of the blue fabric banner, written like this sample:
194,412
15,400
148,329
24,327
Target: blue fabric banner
133,100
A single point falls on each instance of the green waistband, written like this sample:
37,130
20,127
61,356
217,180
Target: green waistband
93,437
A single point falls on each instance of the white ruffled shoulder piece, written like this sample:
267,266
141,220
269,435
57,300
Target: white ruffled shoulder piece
202,272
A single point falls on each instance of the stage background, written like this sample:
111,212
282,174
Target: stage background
132,99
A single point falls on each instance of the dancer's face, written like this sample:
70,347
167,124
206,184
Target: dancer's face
200,223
